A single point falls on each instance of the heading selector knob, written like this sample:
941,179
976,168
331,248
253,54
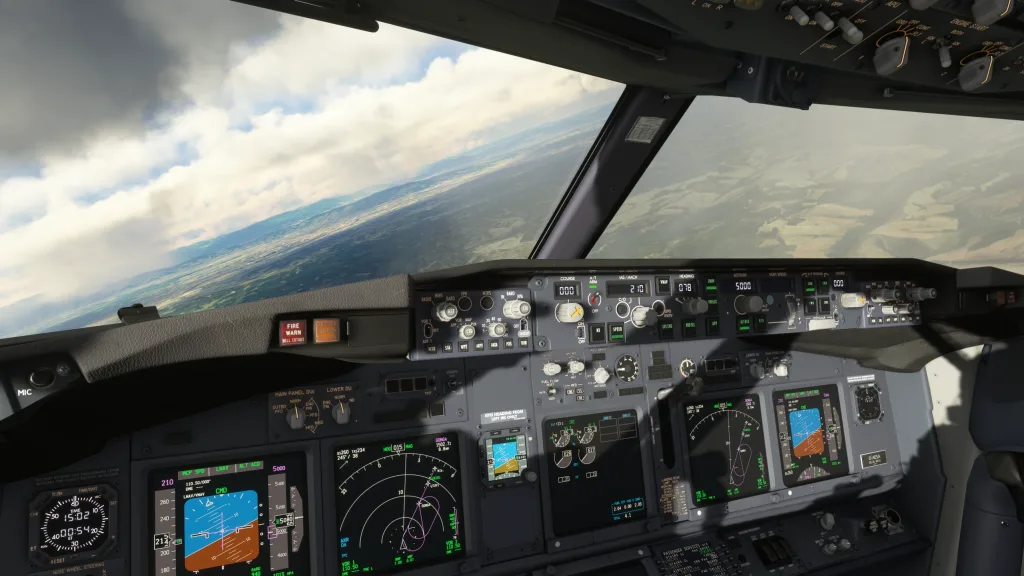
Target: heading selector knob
695,306
551,369
445,311
497,329
516,309
568,312
467,331
601,375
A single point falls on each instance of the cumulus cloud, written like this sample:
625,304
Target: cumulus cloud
274,118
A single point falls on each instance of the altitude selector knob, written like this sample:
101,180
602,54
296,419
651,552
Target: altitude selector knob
748,304
445,311
516,309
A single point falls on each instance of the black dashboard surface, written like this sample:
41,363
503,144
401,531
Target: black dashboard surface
705,418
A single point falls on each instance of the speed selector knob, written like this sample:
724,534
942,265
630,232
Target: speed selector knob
341,413
497,330
639,316
696,306
601,375
516,309
467,331
551,369
892,55
567,312
575,367
445,311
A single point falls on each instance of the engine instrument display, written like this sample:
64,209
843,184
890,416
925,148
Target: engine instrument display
231,518
506,457
72,524
727,449
810,434
399,504
594,471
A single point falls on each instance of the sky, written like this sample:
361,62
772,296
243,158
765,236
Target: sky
129,128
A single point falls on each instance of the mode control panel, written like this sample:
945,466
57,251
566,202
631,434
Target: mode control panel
473,322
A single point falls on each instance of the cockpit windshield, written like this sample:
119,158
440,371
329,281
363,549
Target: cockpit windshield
736,180
193,154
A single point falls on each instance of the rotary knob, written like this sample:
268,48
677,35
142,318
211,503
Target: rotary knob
828,549
341,413
575,367
601,375
467,331
845,545
551,369
827,521
695,306
516,309
445,311
687,368
639,316
781,370
748,304
568,312
694,386
919,294
757,371
497,330
296,418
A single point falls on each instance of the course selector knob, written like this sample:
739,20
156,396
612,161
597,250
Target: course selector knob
568,312
601,375
497,329
575,367
516,309
445,311
551,369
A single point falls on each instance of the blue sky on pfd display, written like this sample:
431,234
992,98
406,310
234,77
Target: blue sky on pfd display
136,127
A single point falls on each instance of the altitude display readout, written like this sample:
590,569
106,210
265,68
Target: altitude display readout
231,518
727,449
72,524
810,434
594,471
399,504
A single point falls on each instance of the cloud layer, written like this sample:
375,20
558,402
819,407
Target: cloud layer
220,130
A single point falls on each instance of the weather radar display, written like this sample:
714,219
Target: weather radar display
810,434
232,518
399,504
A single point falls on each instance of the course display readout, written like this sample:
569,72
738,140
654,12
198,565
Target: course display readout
231,518
399,504
594,471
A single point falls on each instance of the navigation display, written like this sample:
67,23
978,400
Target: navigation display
727,449
594,471
231,518
810,434
399,504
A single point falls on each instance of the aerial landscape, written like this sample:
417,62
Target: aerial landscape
196,158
